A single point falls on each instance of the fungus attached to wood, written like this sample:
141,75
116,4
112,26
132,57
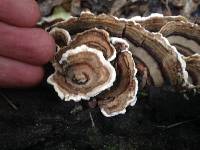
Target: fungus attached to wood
83,68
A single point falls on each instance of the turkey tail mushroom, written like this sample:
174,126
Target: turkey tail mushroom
185,36
123,93
193,68
84,74
155,21
95,38
88,20
84,65
98,39
83,71
162,60
61,37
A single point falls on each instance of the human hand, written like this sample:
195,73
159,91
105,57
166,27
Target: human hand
23,48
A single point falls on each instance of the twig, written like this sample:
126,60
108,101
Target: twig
177,124
92,120
8,101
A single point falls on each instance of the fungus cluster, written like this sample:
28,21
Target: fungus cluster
97,57
89,66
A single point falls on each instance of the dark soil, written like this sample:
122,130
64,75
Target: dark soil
162,120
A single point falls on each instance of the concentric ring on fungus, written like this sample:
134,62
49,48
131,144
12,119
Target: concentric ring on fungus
85,73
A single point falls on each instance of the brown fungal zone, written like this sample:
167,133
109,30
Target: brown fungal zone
79,72
155,23
193,68
185,36
95,38
157,54
92,39
158,50
143,75
88,20
119,44
82,73
61,37
124,91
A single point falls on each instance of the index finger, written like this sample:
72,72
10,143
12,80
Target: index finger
19,12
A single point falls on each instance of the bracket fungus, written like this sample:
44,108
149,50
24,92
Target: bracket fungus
85,73
98,39
119,44
123,93
164,58
114,45
83,70
61,37
193,68
156,21
185,36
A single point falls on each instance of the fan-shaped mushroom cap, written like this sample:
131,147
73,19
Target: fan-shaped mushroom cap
61,36
185,36
123,93
163,60
193,68
166,59
84,74
88,20
155,21
94,38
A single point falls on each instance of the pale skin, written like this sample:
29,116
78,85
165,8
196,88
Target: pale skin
24,49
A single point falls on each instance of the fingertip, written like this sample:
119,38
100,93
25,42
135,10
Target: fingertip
34,46
23,13
47,49
18,74
35,77
33,16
